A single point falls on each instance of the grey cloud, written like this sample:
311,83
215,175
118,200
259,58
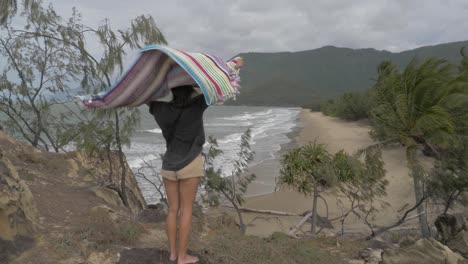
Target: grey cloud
228,27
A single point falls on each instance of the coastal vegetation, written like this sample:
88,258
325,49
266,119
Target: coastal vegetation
46,56
231,187
424,109
77,203
312,171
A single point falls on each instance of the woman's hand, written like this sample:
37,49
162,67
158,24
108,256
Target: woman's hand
239,63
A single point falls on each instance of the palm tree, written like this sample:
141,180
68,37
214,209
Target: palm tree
450,174
413,109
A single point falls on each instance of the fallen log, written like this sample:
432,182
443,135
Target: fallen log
300,224
260,211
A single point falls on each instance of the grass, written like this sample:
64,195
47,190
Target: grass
129,232
29,157
65,245
26,175
103,231
231,247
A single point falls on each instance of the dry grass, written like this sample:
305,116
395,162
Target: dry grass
103,231
64,245
231,247
30,157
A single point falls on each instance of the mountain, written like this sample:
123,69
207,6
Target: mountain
308,77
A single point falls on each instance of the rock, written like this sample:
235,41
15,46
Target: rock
86,247
356,261
74,260
102,210
380,243
452,230
153,214
79,168
158,206
448,226
18,212
372,256
108,195
101,174
407,240
106,257
459,243
428,251
328,233
9,248
149,256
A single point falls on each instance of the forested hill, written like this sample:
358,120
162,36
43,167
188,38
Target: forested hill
306,77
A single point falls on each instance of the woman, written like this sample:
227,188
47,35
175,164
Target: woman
181,122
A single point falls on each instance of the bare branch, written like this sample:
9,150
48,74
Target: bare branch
403,219
300,224
261,211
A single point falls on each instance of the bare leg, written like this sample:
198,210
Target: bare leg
172,192
187,192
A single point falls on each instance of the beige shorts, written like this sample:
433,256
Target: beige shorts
194,169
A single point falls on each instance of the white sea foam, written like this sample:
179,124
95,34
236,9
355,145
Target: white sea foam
249,116
156,130
268,133
232,138
217,124
140,162
268,130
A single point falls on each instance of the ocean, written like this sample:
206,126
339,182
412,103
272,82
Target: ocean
269,127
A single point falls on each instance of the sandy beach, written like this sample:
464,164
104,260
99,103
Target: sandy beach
336,134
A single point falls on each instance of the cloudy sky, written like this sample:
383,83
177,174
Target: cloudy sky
228,27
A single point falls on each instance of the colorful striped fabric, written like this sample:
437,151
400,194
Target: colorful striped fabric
158,69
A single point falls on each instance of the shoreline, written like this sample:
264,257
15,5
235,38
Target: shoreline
336,134
267,170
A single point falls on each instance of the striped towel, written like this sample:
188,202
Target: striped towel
158,69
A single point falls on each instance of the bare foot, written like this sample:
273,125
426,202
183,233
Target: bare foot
187,259
173,258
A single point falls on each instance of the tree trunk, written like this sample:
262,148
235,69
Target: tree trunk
419,192
416,172
37,134
39,127
314,211
121,159
241,220
111,170
51,141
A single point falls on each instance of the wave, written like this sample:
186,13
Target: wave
236,137
249,116
268,123
246,124
140,161
156,131
269,128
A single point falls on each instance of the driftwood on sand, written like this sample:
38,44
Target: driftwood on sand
272,212
300,224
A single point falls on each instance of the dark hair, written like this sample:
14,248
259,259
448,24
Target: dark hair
182,95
